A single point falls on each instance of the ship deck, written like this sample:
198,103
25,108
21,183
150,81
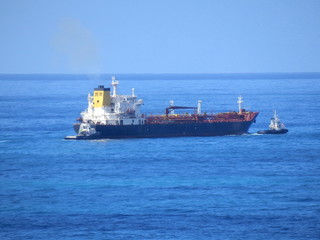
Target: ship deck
203,118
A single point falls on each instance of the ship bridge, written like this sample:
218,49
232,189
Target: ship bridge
105,108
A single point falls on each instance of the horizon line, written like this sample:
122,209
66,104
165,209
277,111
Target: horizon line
220,73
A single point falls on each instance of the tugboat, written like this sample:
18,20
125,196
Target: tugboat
86,131
110,115
276,127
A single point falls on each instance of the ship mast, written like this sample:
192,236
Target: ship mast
240,101
171,105
114,84
199,107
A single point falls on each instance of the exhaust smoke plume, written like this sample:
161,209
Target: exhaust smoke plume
76,47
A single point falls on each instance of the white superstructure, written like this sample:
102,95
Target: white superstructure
106,109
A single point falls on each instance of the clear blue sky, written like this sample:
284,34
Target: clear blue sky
159,36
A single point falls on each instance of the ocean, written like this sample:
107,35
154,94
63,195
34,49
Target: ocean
231,187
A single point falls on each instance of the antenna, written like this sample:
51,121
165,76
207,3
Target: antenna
240,101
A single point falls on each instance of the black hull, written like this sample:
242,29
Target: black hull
171,130
82,137
282,131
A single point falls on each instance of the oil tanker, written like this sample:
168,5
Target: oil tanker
110,115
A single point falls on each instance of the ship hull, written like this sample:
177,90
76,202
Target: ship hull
281,131
171,130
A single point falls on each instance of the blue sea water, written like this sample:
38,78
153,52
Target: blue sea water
231,187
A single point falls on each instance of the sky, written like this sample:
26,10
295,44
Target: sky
159,36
